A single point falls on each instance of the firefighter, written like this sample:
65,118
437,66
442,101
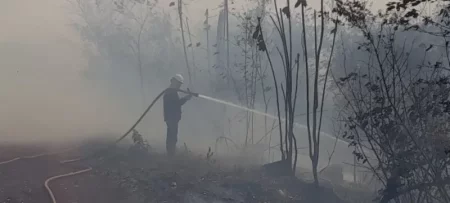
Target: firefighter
172,111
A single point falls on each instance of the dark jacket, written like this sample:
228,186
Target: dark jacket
172,105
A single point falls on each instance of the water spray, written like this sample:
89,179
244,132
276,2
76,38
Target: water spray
135,124
189,93
262,114
221,102
297,125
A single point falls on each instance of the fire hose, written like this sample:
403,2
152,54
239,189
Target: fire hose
96,153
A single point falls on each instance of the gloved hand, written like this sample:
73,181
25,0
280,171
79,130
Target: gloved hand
189,95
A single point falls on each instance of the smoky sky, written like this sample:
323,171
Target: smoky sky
43,91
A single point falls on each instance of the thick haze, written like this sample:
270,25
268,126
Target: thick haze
50,89
43,93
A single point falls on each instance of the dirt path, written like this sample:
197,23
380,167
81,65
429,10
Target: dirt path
22,181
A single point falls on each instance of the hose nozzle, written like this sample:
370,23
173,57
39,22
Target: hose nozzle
189,92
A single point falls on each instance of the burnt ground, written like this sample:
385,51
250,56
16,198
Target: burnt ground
22,181
122,176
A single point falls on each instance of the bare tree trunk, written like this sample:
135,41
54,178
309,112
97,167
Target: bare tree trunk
141,77
208,54
247,119
227,34
192,48
137,51
314,136
354,168
254,80
180,14
315,104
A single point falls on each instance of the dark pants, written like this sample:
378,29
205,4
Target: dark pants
172,137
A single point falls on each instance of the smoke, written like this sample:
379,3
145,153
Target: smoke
45,97
54,88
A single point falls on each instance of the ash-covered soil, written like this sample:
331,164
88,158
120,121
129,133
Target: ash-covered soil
134,176
22,181
154,177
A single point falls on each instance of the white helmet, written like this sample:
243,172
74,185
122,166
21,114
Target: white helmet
179,78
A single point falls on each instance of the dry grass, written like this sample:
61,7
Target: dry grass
190,177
